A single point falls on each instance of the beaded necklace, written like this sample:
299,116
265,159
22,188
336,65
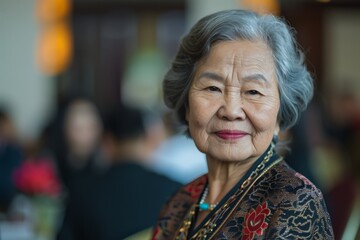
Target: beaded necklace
209,228
203,206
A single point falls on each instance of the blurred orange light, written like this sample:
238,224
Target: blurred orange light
54,48
50,10
262,6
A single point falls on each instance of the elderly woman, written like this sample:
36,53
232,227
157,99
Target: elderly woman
237,80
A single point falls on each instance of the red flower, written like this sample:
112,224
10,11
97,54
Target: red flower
255,222
37,176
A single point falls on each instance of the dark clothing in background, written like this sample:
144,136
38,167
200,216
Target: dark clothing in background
122,201
10,159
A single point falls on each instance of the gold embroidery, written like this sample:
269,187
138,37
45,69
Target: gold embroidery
209,229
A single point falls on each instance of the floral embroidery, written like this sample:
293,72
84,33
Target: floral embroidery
255,222
196,187
306,181
156,233
301,210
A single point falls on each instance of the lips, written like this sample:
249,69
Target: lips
230,134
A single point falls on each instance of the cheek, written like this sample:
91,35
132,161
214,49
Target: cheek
197,128
201,111
265,118
199,117
197,120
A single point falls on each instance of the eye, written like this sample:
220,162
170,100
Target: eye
213,89
253,92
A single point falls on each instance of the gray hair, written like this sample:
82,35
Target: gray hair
294,80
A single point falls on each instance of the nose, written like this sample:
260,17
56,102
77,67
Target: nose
232,108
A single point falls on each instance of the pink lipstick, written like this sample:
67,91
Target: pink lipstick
230,134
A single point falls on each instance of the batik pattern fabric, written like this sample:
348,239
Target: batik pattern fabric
278,203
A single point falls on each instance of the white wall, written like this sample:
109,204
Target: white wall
342,50
197,9
28,94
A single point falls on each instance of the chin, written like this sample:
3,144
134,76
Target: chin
235,156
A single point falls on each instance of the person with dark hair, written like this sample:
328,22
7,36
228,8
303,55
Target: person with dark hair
238,79
78,140
127,197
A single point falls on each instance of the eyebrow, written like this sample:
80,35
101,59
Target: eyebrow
257,76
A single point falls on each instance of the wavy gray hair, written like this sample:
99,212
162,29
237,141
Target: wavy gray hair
294,80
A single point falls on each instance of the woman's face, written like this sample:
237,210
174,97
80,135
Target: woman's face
82,128
234,101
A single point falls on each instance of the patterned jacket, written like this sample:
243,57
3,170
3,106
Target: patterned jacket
272,201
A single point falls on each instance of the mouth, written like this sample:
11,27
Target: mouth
230,134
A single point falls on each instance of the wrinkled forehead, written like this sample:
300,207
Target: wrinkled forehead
242,56
247,51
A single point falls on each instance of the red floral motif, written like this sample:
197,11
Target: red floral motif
156,233
255,222
195,188
306,181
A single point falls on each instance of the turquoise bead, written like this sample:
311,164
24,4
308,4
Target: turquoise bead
204,206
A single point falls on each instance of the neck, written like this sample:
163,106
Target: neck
223,176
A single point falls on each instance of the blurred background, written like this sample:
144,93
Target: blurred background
72,70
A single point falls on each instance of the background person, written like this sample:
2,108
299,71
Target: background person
11,157
127,197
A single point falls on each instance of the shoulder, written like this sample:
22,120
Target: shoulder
195,188
283,180
187,194
290,191
297,205
177,207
